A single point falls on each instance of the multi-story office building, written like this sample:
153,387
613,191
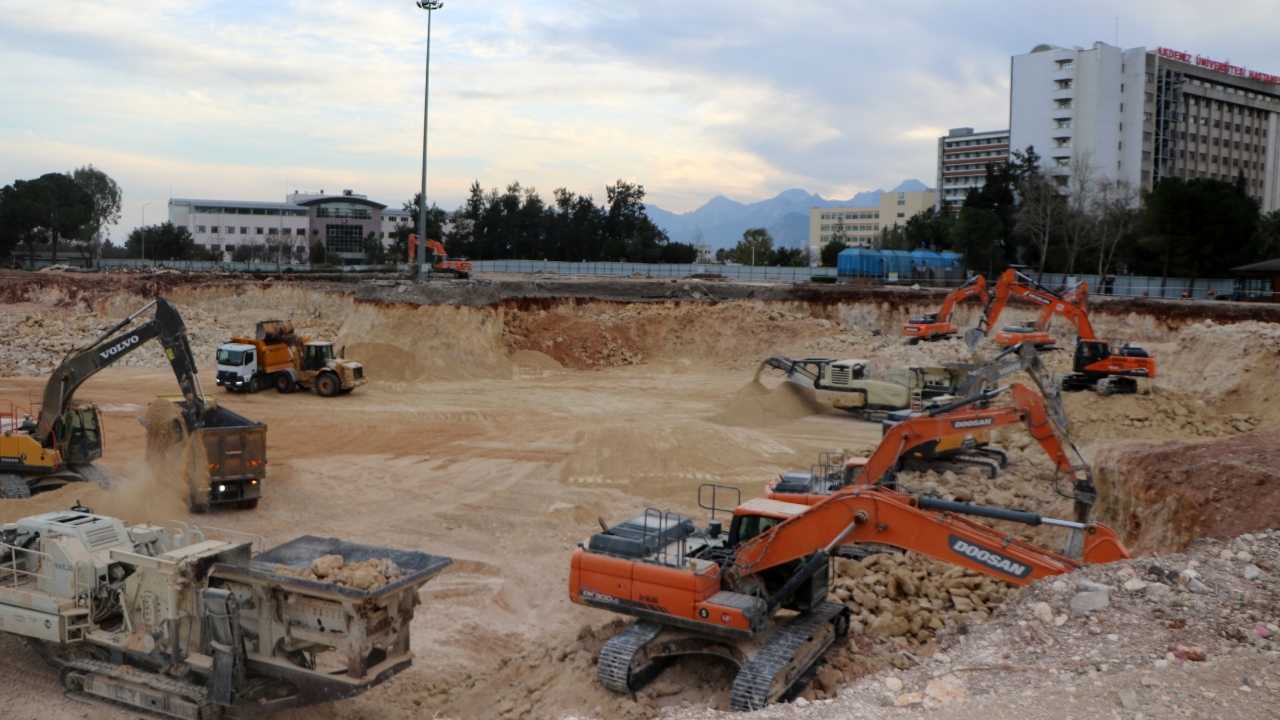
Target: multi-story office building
963,157
341,222
861,226
1141,115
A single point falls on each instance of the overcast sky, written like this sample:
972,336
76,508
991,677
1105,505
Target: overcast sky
248,99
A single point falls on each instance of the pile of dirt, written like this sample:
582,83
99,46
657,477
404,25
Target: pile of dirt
1235,368
1162,495
368,574
415,344
757,405
593,334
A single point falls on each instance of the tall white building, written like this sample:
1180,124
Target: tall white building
1141,115
1080,105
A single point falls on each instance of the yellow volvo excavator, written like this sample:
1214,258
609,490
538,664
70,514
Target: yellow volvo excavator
60,445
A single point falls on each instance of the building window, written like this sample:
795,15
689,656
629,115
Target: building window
259,231
1065,103
199,228
231,230
1066,85
244,230
271,231
343,238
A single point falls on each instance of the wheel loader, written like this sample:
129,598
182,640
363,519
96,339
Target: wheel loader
170,620
277,357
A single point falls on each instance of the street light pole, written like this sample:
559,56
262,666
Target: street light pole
430,6
142,231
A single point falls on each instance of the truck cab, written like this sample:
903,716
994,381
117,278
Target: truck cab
237,366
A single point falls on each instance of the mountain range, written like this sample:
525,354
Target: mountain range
721,221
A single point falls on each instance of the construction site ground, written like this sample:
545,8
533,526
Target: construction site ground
498,432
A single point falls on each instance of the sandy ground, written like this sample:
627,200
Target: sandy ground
502,477
499,436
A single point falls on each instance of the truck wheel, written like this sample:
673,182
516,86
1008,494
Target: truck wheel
284,383
14,486
327,385
198,505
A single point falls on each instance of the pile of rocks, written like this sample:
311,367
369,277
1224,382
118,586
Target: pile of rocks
909,596
362,575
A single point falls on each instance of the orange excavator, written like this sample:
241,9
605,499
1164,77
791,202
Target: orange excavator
936,326
1014,283
1038,333
1096,366
755,595
440,260
959,419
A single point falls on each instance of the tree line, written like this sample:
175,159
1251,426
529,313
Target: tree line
58,211
1083,223
519,223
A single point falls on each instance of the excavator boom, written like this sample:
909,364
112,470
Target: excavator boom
939,325
109,348
888,517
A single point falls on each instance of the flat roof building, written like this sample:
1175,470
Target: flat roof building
861,226
1142,115
963,157
341,222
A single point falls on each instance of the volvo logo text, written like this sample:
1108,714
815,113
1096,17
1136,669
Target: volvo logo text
119,347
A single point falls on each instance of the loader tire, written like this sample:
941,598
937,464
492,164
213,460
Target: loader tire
327,385
14,486
284,383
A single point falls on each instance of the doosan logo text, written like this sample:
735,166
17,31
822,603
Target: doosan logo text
990,558
977,422
119,347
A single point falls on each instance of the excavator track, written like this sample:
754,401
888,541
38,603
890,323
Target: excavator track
623,666
787,656
112,684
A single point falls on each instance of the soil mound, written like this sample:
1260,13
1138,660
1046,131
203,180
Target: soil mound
1162,496
415,344
757,405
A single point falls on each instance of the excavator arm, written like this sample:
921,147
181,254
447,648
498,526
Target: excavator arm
114,345
1013,283
939,325
958,419
925,525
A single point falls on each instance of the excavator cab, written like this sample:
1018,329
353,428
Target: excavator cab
78,435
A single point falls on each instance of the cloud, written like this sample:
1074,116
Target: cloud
691,99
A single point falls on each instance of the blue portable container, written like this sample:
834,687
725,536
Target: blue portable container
859,262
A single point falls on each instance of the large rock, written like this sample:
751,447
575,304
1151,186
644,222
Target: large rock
1090,601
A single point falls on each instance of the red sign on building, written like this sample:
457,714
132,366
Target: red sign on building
1218,66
